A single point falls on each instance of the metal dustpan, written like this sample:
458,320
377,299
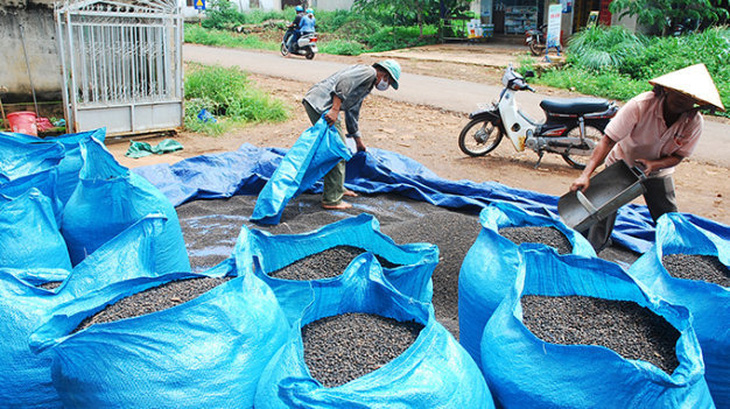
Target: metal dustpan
609,189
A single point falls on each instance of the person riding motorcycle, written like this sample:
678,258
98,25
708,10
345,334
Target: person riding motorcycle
308,23
294,27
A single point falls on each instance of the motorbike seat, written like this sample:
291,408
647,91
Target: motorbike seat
577,106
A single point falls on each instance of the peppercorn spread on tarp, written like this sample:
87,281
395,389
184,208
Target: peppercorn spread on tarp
494,259
314,154
208,352
25,377
411,275
523,371
434,372
246,171
709,303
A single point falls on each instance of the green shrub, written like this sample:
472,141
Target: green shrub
614,63
341,47
229,96
198,35
222,15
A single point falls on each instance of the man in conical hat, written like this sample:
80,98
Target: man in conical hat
654,131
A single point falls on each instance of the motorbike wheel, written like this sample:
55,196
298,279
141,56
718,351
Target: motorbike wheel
309,55
284,50
479,137
535,48
593,134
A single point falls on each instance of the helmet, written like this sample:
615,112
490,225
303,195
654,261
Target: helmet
393,68
310,11
299,9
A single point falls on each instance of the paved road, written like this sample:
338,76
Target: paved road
454,95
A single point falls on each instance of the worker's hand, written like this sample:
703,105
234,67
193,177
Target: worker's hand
331,116
360,145
581,183
647,166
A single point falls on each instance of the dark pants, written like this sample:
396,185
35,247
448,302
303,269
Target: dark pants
659,197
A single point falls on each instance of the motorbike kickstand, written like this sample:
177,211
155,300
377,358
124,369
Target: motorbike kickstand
539,159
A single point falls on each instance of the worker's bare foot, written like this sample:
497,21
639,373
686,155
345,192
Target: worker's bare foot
349,193
338,206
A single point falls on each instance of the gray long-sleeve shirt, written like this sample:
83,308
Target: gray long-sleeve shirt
351,85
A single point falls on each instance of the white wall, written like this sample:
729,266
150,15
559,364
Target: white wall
331,5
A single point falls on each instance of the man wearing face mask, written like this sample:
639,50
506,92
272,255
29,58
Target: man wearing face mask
345,91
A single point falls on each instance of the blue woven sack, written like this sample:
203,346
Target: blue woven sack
414,262
434,372
490,267
709,303
524,371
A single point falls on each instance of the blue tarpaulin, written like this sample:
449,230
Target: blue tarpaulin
314,154
247,170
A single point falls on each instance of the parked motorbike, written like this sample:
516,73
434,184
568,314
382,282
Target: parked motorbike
535,39
306,45
572,129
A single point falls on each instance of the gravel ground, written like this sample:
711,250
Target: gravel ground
547,235
326,264
154,299
697,267
342,348
632,331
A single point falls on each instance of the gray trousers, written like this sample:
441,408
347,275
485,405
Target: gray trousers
334,180
659,197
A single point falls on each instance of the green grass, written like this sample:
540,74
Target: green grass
199,35
230,97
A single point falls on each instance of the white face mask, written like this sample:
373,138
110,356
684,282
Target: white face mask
382,85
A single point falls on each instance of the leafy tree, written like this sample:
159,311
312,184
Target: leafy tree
661,14
407,11
223,15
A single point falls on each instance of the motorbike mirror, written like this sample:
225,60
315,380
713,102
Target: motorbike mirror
529,74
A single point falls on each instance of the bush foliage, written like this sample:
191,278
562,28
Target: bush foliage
614,63
229,96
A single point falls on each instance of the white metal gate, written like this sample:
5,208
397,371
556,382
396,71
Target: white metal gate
122,65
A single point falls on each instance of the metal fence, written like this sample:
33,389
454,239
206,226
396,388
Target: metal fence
122,65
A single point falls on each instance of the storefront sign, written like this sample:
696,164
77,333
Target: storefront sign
553,33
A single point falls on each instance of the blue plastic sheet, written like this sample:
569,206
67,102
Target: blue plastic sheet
412,277
525,372
435,372
25,377
246,170
491,265
68,168
107,200
206,353
20,158
30,235
709,303
314,154
44,181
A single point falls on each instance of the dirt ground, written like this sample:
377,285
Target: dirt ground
429,136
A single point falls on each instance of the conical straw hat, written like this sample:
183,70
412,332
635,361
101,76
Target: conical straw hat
694,81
